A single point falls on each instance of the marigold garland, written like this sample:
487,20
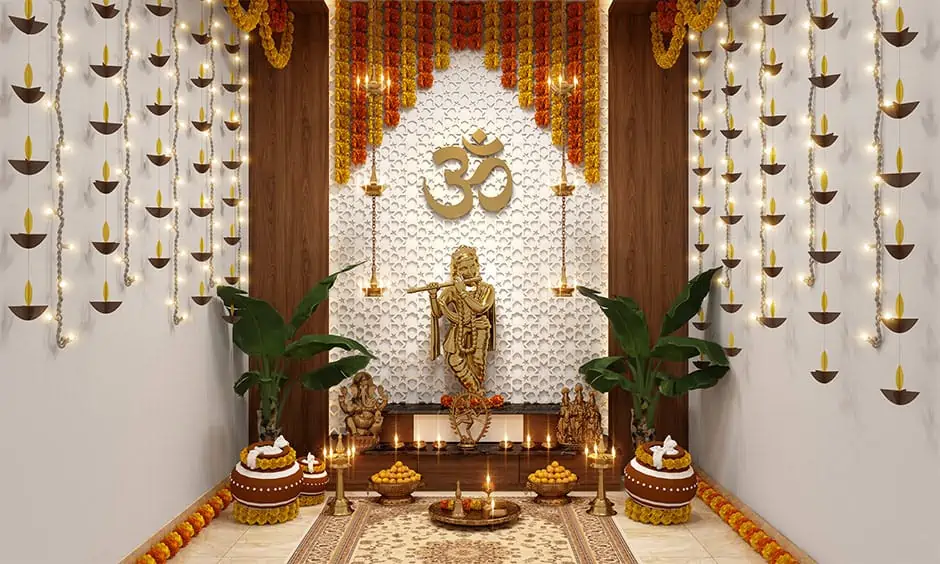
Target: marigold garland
557,12
654,516
277,14
491,34
311,500
270,463
574,69
474,30
376,58
508,63
680,463
341,94
425,44
592,94
667,10
442,35
246,20
359,53
753,535
524,56
180,536
393,61
457,27
542,38
699,20
277,56
256,516
666,58
409,58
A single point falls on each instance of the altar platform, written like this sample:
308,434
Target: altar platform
428,421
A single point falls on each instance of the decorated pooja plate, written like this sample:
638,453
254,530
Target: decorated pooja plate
476,517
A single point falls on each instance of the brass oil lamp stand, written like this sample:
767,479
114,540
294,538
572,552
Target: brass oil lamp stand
600,506
373,189
339,460
563,88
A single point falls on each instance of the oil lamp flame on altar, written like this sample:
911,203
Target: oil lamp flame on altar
339,458
601,460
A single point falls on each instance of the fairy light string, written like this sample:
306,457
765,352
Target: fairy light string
211,134
762,86
728,72
174,38
699,132
62,340
810,278
238,172
126,257
877,339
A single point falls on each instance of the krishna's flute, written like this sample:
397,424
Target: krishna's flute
439,285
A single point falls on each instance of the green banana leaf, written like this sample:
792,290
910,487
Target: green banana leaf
332,373
310,302
679,349
700,379
627,320
312,345
689,302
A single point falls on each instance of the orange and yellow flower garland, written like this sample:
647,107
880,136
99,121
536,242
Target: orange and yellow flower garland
341,101
542,38
557,11
425,44
393,61
359,54
526,69
187,529
576,99
666,58
699,20
760,541
409,58
509,78
442,35
458,26
376,59
491,34
474,16
592,93
246,20
277,56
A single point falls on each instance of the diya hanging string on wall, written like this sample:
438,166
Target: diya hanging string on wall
699,132
821,138
898,109
29,95
159,158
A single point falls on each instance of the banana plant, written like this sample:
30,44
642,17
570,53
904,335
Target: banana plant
640,371
273,343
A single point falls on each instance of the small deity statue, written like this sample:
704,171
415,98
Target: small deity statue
363,406
468,303
579,422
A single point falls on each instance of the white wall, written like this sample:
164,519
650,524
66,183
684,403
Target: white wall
842,472
118,433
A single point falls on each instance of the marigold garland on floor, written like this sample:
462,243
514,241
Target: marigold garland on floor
341,96
753,535
183,533
442,35
525,68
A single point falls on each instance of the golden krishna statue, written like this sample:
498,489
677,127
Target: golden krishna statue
468,303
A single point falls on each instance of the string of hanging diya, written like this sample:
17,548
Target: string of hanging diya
234,200
770,219
159,158
729,218
699,133
203,125
820,138
29,94
898,110
108,182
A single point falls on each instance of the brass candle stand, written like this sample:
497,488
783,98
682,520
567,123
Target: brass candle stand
600,506
563,89
373,189
339,460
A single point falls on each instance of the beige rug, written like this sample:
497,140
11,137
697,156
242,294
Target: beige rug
405,534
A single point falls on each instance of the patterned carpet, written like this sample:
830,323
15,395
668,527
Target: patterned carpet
405,534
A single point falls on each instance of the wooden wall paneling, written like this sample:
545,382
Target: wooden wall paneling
648,163
289,199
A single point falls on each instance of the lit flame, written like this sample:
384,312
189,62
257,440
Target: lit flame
231,230
28,293
701,237
202,70
159,199
202,200
231,154
232,116
773,107
202,288
701,161
202,156
105,232
773,56
105,112
825,64
773,206
202,114
731,340
773,6
899,378
773,157
730,208
899,91
28,221
730,165
730,121
159,146
899,305
824,124
730,78
28,10
231,270
28,75
731,295
825,241
899,232
159,96
730,250
899,19
730,35
202,245
773,308
202,27
773,258
105,292
825,7
701,315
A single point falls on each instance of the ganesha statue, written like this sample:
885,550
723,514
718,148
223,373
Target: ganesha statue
363,403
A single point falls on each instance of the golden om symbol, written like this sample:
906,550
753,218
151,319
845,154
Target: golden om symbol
456,178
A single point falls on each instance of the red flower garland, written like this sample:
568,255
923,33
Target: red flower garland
542,42
509,77
393,61
474,21
277,12
359,125
576,99
458,40
667,10
425,44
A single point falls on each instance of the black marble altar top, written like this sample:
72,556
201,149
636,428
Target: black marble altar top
452,449
506,409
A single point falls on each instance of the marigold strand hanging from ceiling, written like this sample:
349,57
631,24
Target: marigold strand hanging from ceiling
525,67
393,61
592,93
491,34
277,13
376,59
442,35
474,30
341,101
409,60
425,44
509,78
666,58
542,38
557,12
359,53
